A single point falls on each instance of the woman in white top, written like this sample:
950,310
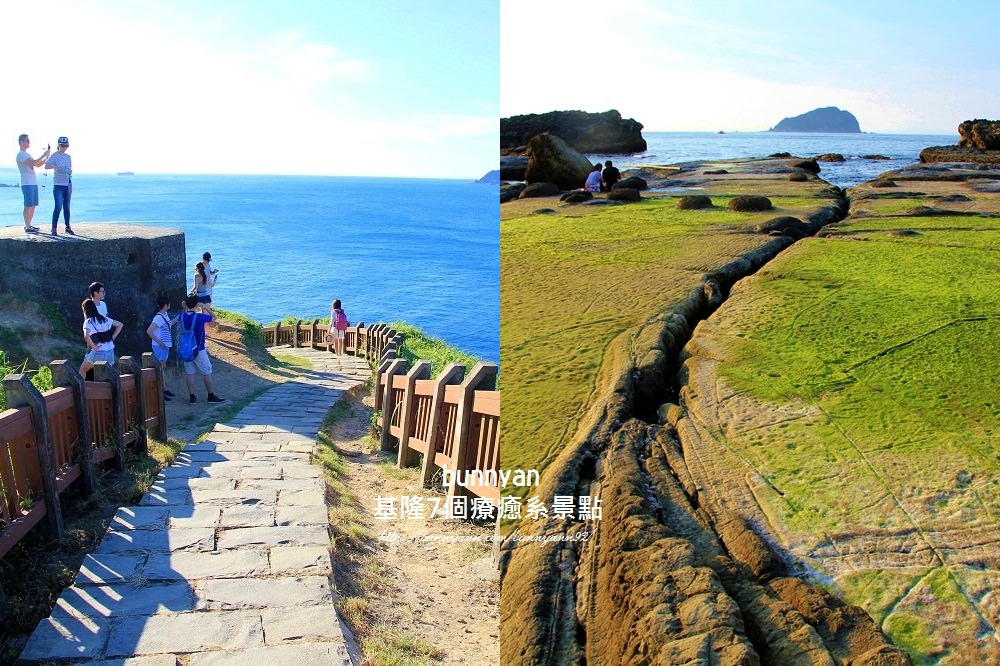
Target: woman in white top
99,332
160,339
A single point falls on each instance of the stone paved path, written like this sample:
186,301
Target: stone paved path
227,557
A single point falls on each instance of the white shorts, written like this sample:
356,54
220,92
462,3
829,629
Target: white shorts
201,363
336,334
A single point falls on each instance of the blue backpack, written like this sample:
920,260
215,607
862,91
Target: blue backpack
187,346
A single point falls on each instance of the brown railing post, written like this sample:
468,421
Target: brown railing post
313,334
397,367
420,370
104,372
452,374
148,361
22,393
362,343
64,374
128,364
277,333
358,343
295,334
483,377
374,350
390,346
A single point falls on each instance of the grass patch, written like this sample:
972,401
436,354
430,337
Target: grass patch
389,470
388,647
910,633
289,360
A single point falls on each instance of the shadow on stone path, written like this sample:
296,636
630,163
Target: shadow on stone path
227,557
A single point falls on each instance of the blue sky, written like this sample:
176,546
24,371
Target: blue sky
913,67
335,87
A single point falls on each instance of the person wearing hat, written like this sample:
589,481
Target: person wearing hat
213,273
62,183
29,182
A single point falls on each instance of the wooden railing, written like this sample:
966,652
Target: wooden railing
371,342
50,440
453,421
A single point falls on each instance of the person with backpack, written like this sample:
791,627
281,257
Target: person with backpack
191,349
161,341
99,332
338,326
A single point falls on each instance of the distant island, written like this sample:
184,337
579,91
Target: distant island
828,119
491,178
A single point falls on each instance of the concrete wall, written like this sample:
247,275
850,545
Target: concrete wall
135,263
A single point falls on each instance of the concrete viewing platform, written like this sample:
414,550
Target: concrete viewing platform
226,559
138,262
84,231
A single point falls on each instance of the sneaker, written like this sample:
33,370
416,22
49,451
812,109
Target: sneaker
70,231
31,230
168,393
55,232
214,398
192,399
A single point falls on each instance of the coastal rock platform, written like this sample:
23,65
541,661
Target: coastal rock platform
817,484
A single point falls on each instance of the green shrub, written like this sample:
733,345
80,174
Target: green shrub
419,346
250,329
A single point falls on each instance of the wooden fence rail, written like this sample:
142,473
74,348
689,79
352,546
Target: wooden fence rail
48,441
453,421
369,342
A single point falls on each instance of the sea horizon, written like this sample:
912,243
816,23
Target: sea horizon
425,251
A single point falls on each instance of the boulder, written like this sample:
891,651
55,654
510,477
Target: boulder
798,176
959,154
694,202
979,133
749,204
539,190
512,167
809,165
632,182
829,157
606,133
576,196
509,192
624,194
786,225
552,160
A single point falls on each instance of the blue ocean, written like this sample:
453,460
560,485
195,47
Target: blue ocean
423,251
679,147
418,250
